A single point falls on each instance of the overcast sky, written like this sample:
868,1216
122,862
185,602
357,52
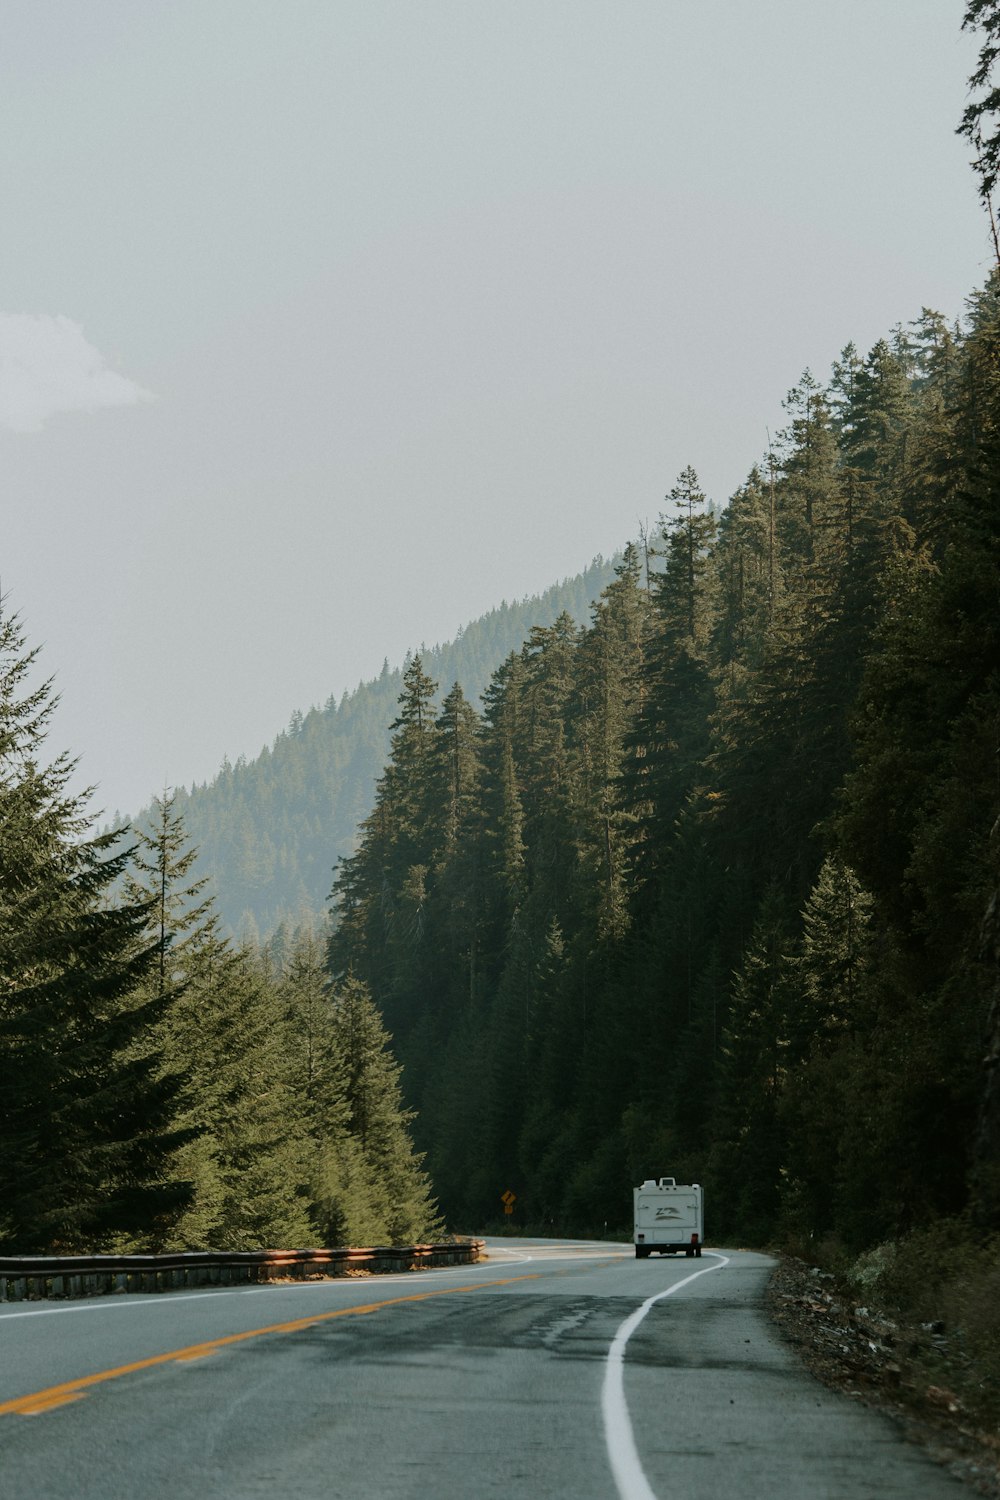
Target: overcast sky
327,324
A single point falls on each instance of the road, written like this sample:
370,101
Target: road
550,1371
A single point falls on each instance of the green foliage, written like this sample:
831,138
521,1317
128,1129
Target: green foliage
160,1088
268,830
980,117
88,1118
705,883
748,1146
400,1208
701,890
942,1282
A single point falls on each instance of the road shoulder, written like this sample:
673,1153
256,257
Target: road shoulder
852,1350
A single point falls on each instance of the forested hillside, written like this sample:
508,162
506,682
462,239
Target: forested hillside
690,866
159,1087
269,831
701,889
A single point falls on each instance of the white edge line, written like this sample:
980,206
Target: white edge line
106,1304
618,1435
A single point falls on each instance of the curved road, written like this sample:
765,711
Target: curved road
555,1370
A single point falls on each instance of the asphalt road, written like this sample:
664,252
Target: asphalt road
549,1371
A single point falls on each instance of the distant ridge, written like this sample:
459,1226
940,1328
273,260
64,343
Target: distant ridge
271,830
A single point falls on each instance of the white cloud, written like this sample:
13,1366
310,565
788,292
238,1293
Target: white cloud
47,366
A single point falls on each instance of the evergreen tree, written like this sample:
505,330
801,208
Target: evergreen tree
772,757
811,499
247,1101
749,1149
836,954
748,584
182,919
919,805
611,672
224,1033
670,736
456,875
378,1121
87,1117
343,1197
504,832
831,1016
382,889
980,124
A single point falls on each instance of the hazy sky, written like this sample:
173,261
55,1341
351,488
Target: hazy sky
327,324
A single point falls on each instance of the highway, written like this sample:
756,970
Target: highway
565,1370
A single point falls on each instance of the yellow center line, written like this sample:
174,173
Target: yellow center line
72,1390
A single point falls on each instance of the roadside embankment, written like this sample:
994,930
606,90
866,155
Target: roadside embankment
923,1371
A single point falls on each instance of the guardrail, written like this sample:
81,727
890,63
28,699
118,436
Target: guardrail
35,1277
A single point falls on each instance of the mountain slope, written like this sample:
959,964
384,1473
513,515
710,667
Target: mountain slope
271,830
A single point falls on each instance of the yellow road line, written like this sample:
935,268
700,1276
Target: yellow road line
72,1390
32,1406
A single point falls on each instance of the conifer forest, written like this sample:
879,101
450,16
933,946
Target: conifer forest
707,883
711,881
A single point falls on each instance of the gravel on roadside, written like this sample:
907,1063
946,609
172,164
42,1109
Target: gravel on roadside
869,1357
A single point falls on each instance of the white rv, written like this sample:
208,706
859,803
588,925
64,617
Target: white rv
668,1218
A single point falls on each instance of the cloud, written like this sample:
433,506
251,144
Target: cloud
47,366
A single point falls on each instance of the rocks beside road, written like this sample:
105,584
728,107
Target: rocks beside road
901,1370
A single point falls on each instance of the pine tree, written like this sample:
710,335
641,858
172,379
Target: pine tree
184,931
923,796
776,761
811,500
456,872
247,1100
748,569
182,919
836,953
225,1034
379,1124
979,122
87,1116
611,673
749,1146
381,890
504,830
670,737
833,1009
343,1196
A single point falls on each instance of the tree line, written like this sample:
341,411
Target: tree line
707,886
268,829
161,1087
701,889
